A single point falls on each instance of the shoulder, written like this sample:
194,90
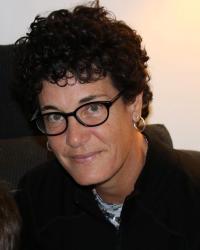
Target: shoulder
186,197
49,172
171,174
44,193
182,164
189,162
44,183
173,195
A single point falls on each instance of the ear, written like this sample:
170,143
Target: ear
137,107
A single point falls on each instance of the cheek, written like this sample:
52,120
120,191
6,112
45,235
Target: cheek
104,133
122,132
115,133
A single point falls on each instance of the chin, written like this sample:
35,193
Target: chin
88,180
90,173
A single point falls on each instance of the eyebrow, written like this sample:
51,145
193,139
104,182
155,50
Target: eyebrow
49,107
82,101
89,98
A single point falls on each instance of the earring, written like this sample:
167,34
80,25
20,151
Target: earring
140,124
49,147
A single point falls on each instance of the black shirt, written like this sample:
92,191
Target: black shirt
163,212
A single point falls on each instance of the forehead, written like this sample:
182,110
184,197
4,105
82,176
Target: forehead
70,95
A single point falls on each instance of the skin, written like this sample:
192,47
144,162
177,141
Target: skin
110,156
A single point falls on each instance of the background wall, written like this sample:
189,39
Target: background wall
171,35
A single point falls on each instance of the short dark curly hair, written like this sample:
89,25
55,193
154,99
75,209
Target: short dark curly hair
87,43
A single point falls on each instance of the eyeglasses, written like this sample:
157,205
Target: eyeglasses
89,115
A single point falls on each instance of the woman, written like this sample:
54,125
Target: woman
84,75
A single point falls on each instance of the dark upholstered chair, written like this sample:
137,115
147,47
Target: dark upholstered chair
21,147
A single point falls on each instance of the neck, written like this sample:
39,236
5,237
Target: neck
124,181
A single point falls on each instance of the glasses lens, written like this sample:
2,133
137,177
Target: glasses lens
92,114
51,123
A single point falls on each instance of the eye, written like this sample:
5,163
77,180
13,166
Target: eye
92,109
53,118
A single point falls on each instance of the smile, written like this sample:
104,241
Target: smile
83,158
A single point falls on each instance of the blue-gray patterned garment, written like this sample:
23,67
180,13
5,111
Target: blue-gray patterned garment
111,211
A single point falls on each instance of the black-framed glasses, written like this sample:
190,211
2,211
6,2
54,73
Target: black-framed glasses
90,114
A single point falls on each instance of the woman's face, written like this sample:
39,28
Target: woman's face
93,155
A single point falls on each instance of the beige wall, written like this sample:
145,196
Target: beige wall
171,34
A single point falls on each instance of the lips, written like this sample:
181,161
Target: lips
83,158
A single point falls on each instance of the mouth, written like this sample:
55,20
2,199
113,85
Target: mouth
85,158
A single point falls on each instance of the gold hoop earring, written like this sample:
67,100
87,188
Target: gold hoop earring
49,147
140,125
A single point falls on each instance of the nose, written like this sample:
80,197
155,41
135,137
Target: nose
77,134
